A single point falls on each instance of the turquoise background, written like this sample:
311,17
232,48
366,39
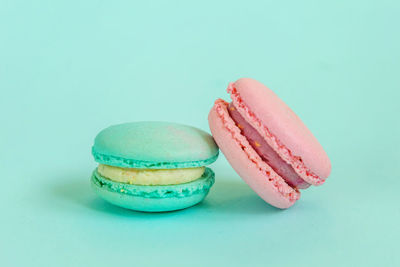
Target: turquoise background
70,68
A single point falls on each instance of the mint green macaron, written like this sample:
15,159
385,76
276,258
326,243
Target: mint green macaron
136,154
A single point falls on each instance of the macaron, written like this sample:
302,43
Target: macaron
153,166
267,144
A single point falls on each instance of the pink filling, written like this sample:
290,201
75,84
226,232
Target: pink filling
293,194
295,161
268,155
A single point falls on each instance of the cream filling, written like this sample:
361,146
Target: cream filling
150,176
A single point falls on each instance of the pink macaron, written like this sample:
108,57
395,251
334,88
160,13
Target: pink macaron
267,144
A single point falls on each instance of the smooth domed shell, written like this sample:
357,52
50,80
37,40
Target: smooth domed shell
284,124
156,145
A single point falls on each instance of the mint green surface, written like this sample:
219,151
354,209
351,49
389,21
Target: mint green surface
68,69
154,145
153,198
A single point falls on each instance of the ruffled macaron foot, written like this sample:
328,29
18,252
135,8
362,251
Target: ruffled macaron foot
267,144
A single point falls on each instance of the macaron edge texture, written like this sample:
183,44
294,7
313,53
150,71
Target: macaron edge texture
141,164
150,198
246,162
297,161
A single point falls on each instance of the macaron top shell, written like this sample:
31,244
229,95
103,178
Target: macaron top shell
282,128
154,145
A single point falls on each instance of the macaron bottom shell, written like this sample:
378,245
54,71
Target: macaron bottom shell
149,198
246,162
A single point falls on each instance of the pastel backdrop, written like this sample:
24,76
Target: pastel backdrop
70,68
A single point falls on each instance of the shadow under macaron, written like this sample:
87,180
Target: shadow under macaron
226,196
79,192
236,197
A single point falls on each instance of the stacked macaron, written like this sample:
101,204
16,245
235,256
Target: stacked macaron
153,166
267,143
